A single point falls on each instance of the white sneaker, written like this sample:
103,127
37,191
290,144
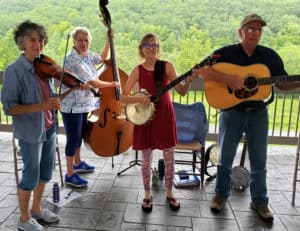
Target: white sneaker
30,225
46,216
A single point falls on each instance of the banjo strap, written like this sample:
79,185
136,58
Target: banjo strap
159,70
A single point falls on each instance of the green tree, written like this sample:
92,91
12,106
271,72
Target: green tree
195,45
8,49
291,57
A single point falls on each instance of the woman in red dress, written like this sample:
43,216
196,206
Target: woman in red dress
160,131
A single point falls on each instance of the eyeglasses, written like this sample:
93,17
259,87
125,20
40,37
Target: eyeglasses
151,45
253,30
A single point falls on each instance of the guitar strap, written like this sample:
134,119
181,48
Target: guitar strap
159,70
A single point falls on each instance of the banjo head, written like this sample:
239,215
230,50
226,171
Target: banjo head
138,113
214,151
240,178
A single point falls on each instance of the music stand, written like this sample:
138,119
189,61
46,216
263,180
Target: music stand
132,163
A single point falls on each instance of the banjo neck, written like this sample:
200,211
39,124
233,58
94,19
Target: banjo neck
155,98
207,61
139,114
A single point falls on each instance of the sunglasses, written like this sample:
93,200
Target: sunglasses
151,45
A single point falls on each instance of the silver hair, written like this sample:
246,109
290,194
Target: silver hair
83,30
26,28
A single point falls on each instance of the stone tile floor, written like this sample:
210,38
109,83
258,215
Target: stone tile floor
112,202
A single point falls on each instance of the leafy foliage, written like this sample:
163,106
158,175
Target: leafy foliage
189,29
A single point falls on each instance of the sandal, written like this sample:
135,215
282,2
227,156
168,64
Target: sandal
147,204
174,203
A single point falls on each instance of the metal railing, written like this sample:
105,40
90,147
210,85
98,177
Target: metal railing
284,114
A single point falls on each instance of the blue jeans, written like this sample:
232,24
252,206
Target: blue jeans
38,161
233,123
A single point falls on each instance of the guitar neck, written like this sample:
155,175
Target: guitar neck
278,79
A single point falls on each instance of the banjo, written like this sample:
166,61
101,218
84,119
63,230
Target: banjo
240,175
139,114
211,155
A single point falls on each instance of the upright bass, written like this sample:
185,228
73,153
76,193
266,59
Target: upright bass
109,133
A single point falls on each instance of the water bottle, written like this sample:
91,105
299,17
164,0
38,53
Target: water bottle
154,176
55,191
161,169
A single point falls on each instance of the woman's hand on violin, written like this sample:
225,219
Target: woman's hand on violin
51,103
82,87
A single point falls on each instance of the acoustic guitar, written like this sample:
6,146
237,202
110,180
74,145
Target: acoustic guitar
257,80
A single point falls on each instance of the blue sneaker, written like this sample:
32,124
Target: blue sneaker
75,181
83,167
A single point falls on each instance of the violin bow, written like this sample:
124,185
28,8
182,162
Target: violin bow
63,67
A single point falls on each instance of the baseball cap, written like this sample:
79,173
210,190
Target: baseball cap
252,18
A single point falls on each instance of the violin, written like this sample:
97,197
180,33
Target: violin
45,67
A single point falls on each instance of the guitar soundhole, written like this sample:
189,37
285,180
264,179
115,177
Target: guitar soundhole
250,82
250,90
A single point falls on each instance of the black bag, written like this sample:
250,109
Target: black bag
161,168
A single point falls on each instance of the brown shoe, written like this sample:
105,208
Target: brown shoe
218,204
263,211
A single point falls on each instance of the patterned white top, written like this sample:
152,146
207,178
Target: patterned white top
80,101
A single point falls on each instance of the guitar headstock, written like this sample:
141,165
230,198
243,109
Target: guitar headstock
105,13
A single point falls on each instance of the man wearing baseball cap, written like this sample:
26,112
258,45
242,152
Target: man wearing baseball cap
253,18
248,117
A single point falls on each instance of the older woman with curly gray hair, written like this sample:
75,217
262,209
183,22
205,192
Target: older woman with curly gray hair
30,100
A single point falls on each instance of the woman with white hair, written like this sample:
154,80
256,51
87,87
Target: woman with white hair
76,106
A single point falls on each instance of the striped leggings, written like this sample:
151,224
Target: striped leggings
168,155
